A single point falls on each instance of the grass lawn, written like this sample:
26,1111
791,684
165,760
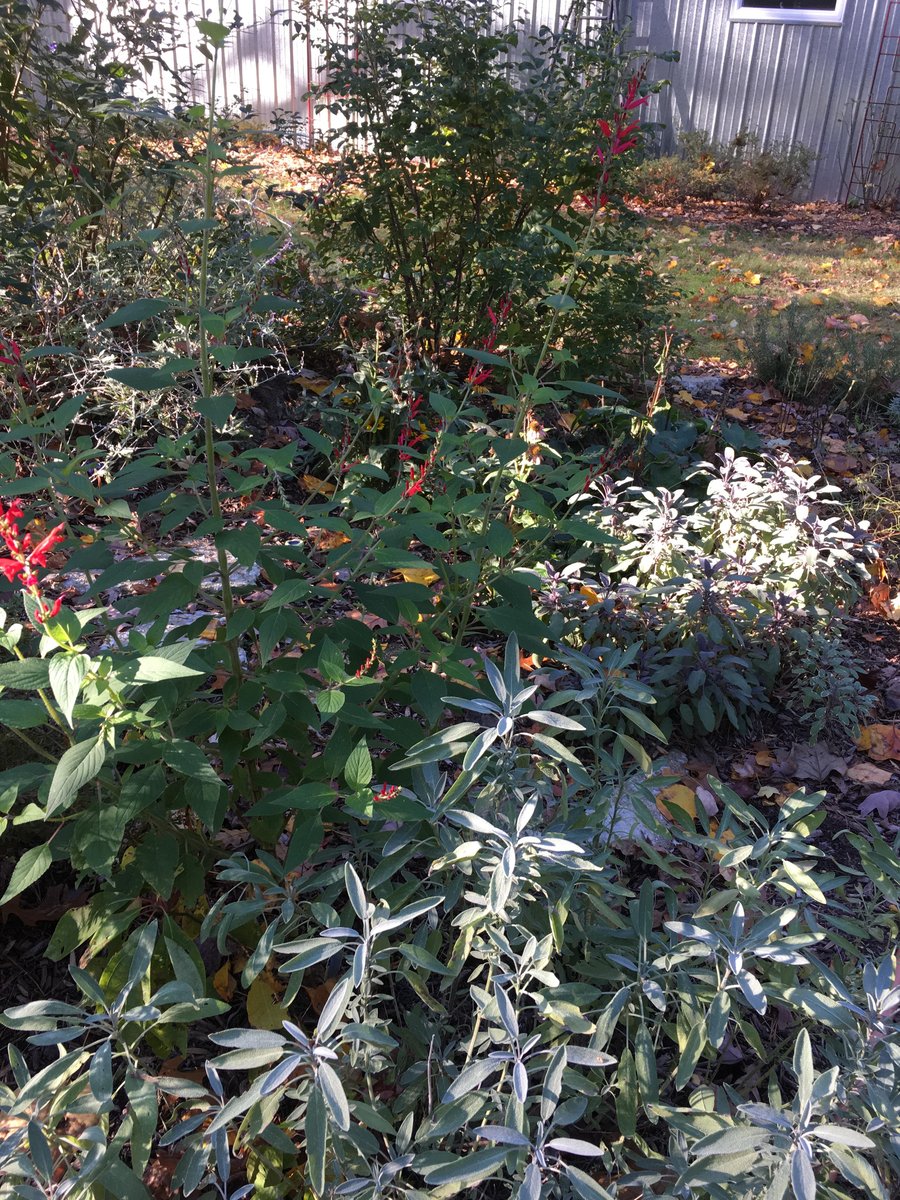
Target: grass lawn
725,265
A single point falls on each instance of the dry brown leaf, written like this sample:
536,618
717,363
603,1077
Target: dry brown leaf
882,803
814,763
327,539
318,995
867,772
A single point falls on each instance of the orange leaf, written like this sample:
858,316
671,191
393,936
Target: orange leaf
880,742
319,486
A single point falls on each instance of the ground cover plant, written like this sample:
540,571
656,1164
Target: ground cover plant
346,711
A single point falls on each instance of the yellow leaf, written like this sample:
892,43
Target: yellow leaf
671,264
417,574
807,352
753,278
589,594
737,414
209,633
263,1009
320,486
224,982
677,796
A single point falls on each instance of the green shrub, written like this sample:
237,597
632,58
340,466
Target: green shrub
373,895
463,149
742,169
711,585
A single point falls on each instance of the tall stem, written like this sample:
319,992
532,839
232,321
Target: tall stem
206,379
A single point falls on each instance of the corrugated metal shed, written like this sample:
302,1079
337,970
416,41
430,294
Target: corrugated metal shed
786,81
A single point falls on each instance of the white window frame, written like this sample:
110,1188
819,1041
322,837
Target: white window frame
790,16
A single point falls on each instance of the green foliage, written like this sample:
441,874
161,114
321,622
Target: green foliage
465,151
742,169
828,685
338,735
709,585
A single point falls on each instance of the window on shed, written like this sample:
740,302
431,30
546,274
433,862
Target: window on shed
813,12
812,5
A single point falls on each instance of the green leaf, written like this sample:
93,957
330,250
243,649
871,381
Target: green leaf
316,1130
26,675
143,379
627,1098
188,759
584,1186
216,409
333,1091
22,714
803,881
469,1170
286,593
138,310
358,768
153,668
79,765
31,866
66,673
690,1055
560,302
213,31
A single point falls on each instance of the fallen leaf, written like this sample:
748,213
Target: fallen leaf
880,742
753,278
866,772
590,595
318,995
417,574
882,803
836,323
263,1008
737,414
677,796
327,539
814,763
709,802
319,486
858,321
224,982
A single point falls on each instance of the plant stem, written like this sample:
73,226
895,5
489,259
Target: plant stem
209,211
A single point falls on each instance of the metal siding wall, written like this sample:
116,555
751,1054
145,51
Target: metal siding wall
804,82
785,82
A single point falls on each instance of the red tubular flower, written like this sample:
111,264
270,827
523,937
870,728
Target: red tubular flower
39,554
23,558
11,568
